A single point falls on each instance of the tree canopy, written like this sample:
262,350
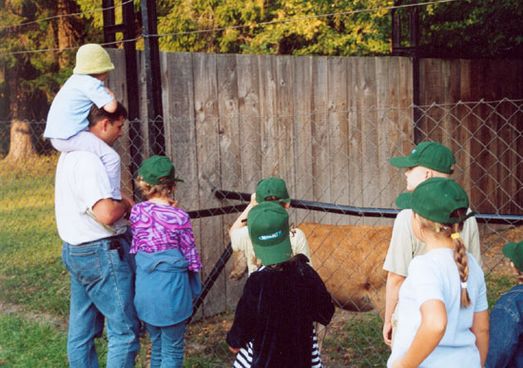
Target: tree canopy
459,28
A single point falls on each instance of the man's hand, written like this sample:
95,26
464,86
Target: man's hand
128,201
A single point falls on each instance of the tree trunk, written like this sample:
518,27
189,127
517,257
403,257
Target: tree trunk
21,145
68,31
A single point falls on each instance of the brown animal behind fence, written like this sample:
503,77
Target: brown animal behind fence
349,259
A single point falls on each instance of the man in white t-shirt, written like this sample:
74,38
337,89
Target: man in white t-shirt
95,251
268,189
428,159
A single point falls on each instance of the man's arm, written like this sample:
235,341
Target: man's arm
392,290
107,211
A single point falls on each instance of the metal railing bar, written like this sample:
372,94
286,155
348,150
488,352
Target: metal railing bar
490,218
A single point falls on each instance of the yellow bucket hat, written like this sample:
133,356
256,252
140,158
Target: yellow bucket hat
91,58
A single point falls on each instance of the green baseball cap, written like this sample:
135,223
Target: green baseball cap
155,168
436,199
272,187
514,251
268,225
432,155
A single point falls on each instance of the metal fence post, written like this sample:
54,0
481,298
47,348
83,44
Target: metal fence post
131,73
152,77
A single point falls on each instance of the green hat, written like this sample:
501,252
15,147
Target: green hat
91,58
432,155
268,225
514,251
436,199
272,187
156,168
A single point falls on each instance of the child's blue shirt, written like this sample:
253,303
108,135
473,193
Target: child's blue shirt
165,288
435,276
70,108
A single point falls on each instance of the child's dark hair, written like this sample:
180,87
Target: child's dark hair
296,259
96,114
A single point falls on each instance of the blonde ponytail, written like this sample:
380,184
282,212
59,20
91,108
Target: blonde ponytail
460,257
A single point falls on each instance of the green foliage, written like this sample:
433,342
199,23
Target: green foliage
466,28
473,28
279,27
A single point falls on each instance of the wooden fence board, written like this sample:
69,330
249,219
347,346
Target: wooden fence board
250,130
368,98
389,133
338,128
230,151
284,73
320,138
269,117
303,120
355,136
209,176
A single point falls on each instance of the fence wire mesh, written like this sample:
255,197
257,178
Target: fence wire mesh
336,156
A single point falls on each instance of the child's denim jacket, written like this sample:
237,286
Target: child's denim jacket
165,288
506,331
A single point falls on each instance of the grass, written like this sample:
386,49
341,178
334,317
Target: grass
25,344
31,273
33,278
357,342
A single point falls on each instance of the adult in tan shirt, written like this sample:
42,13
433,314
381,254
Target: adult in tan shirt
268,189
427,160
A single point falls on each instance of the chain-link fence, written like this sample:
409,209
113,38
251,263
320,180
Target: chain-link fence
335,160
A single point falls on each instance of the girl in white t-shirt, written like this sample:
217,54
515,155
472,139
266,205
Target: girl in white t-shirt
442,317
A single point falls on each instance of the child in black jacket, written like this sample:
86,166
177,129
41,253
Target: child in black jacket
273,325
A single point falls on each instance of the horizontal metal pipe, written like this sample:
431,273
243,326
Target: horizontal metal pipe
489,218
216,211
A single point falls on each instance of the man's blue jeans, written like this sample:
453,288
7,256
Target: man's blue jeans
167,345
102,282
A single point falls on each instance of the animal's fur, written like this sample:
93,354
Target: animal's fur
239,266
349,259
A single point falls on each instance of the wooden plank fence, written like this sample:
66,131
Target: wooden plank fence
327,125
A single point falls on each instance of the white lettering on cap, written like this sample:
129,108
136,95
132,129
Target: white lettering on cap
275,235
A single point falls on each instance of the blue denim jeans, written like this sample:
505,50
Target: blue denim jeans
506,331
167,345
102,284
